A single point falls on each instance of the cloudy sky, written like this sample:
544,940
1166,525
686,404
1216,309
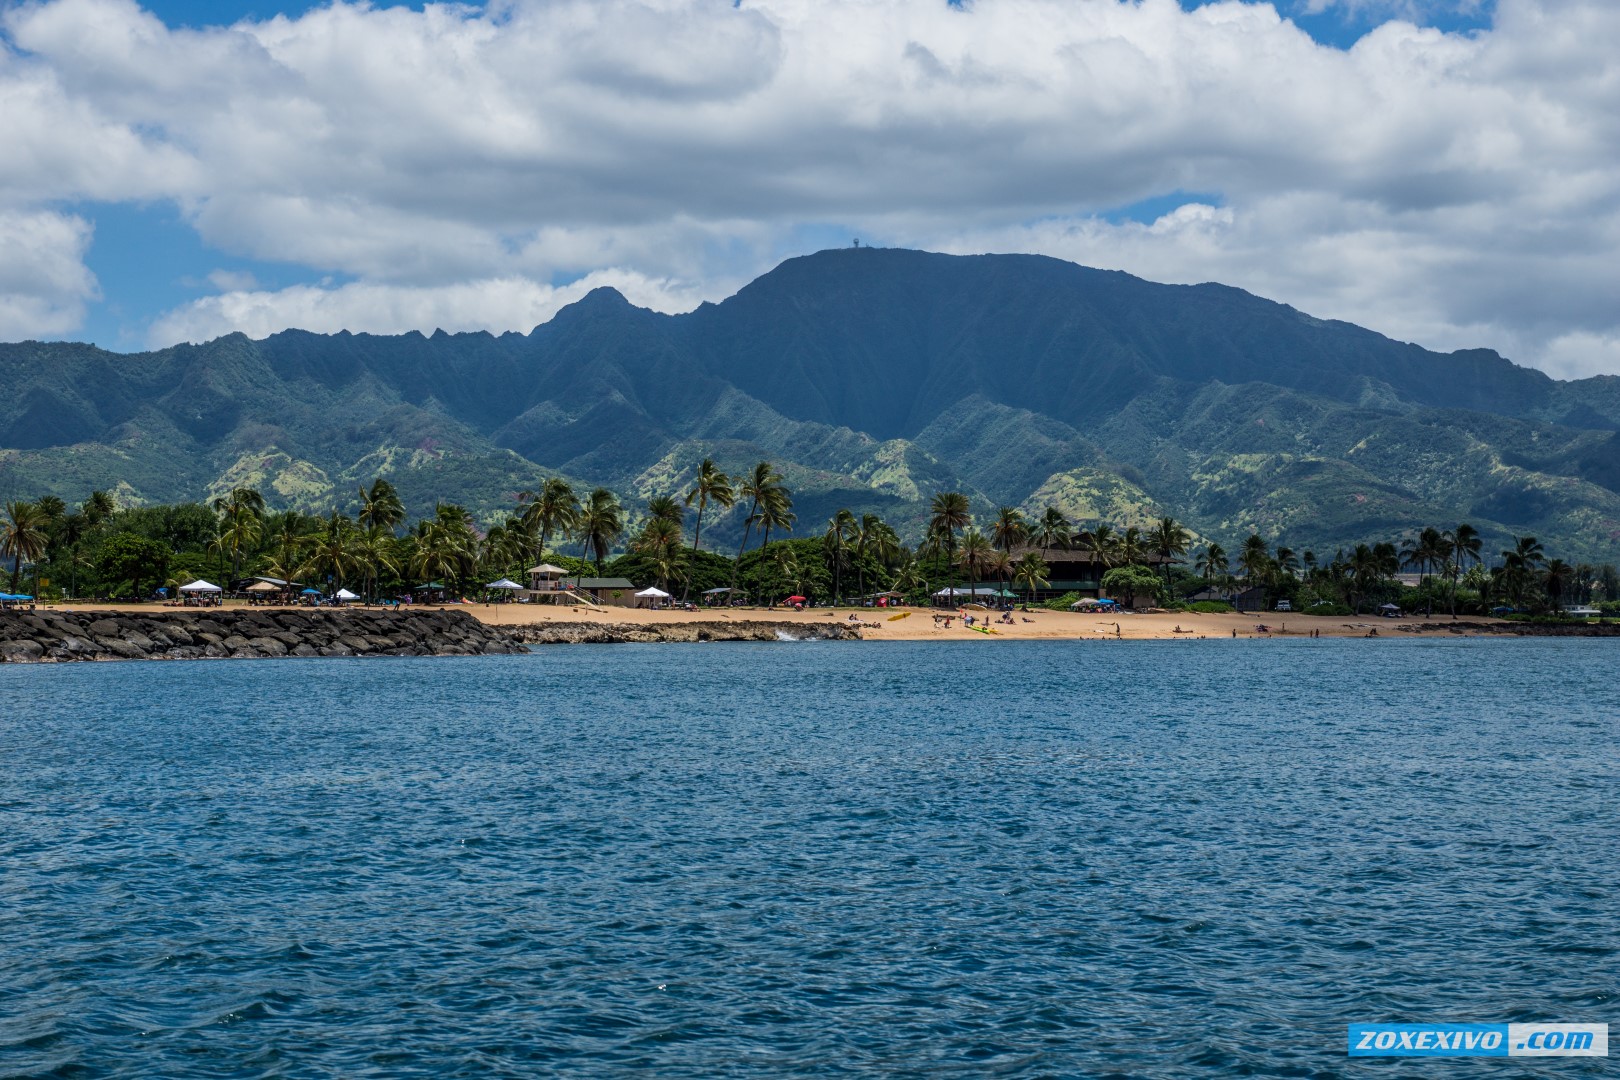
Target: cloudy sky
1444,171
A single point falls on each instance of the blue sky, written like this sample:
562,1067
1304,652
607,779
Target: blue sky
398,167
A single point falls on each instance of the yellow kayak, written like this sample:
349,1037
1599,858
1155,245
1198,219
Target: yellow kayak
902,615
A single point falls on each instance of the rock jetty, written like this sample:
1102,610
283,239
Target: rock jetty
46,636
604,633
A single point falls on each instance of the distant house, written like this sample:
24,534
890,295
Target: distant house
616,591
1077,570
1251,599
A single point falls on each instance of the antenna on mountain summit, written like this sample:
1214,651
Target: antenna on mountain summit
857,242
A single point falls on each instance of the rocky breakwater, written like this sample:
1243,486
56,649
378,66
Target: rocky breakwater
46,636
604,633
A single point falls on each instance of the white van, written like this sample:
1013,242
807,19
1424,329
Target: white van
1283,605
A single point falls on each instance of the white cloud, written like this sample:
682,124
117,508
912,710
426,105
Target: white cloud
497,305
44,285
1453,189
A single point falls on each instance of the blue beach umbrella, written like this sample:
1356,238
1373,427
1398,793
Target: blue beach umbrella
312,592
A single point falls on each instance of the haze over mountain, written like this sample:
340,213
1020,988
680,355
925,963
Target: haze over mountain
873,378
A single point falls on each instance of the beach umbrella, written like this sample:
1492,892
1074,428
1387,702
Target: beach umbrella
312,592
263,586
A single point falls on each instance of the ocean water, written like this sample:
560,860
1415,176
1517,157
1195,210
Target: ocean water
806,859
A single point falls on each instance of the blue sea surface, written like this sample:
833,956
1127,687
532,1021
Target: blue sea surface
1044,859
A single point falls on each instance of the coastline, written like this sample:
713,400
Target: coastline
71,632
539,624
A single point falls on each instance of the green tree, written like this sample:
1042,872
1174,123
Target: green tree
1212,563
1132,547
1031,571
1105,545
241,515
1009,530
660,543
760,486
1170,540
841,530
125,557
601,523
555,509
712,486
975,557
947,513
380,506
1053,530
669,509
22,536
1131,581
329,554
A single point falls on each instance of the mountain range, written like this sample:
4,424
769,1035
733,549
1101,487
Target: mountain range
872,378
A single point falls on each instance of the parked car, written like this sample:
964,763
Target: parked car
1283,605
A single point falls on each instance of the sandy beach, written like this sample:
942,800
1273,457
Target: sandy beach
919,624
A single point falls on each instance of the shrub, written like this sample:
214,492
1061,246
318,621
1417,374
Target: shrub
1211,607
1327,608
1062,603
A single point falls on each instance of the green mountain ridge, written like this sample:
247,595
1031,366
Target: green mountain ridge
873,378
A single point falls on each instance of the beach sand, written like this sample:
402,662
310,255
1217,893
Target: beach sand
919,623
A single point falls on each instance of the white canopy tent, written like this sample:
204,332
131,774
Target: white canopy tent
653,593
345,595
504,583
201,586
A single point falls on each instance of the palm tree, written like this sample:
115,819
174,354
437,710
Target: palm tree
948,512
1364,573
380,506
974,558
712,486
331,552
376,550
1519,563
1131,546
1254,559
660,544
1555,578
98,508
1170,540
1105,543
908,576
444,545
1212,563
554,510
288,533
759,485
1031,572
775,512
1052,530
841,529
873,539
241,512
22,536
667,508
601,522
1009,529
75,527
